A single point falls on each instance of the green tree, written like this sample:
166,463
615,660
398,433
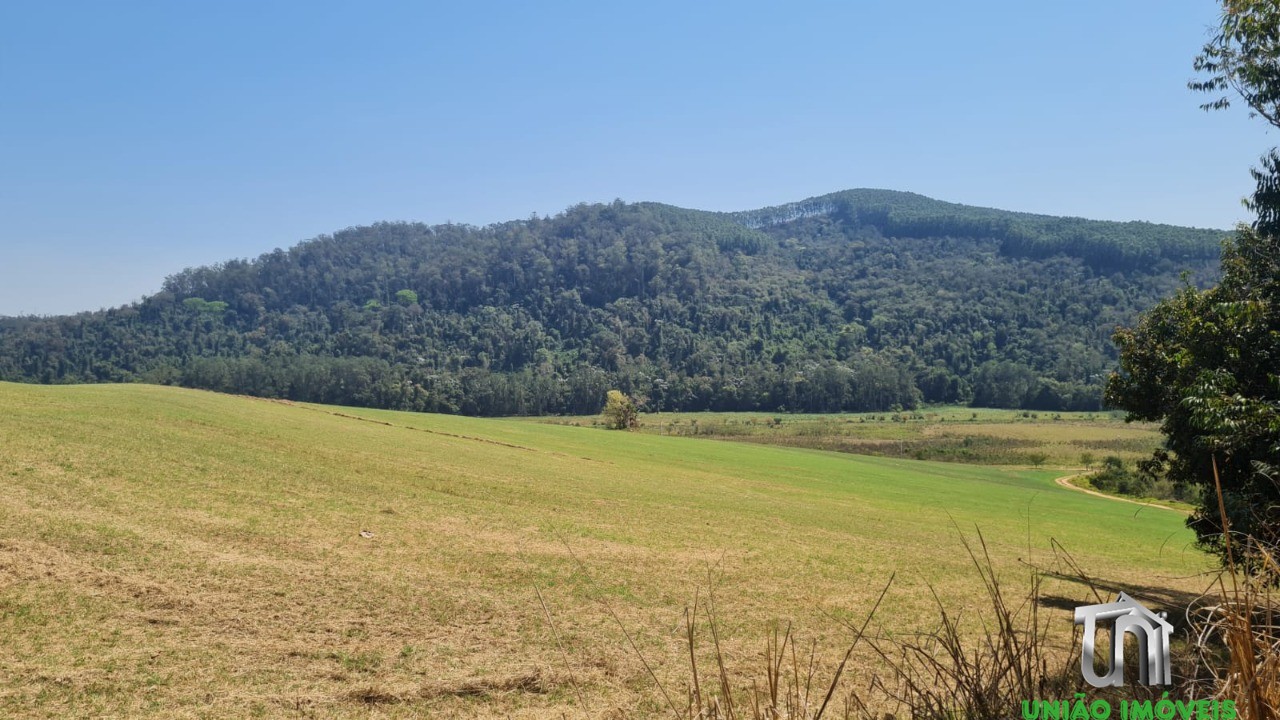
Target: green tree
619,411
1205,363
1244,58
407,297
201,305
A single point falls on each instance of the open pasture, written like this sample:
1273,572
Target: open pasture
183,554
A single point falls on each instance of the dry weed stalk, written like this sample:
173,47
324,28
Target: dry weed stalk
945,674
1243,622
788,690
950,674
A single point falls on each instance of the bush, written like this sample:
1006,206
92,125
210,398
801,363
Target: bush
1116,478
619,411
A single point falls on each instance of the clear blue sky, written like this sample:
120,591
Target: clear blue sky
138,138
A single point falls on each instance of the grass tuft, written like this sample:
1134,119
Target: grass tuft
533,683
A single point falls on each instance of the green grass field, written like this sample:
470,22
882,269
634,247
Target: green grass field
954,434
175,553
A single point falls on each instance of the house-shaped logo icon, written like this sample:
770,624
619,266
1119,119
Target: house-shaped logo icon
1152,632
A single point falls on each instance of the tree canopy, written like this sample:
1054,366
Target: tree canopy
619,411
1206,363
865,300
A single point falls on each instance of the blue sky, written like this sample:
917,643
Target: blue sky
140,138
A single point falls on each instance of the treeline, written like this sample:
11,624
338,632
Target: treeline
815,308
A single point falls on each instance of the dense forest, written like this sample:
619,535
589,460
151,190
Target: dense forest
860,300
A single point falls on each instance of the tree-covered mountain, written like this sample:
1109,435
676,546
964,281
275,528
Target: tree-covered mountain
860,300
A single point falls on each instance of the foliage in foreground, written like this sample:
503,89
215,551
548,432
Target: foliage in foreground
1204,364
1207,363
1230,651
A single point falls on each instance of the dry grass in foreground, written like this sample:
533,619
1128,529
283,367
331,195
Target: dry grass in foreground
1229,651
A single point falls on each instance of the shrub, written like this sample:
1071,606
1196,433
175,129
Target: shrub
619,411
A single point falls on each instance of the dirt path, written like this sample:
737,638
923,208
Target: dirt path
1065,481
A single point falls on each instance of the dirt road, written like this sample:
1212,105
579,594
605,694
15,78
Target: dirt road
1065,481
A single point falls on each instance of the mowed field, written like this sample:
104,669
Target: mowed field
174,553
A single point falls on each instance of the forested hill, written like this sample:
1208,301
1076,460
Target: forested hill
1104,245
860,300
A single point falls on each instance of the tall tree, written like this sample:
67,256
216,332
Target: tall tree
1207,363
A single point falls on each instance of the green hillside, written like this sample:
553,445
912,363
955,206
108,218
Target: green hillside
866,300
1100,243
176,553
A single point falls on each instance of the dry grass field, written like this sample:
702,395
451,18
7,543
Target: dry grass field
182,554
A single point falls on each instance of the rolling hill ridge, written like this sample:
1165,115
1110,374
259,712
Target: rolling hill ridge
859,300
